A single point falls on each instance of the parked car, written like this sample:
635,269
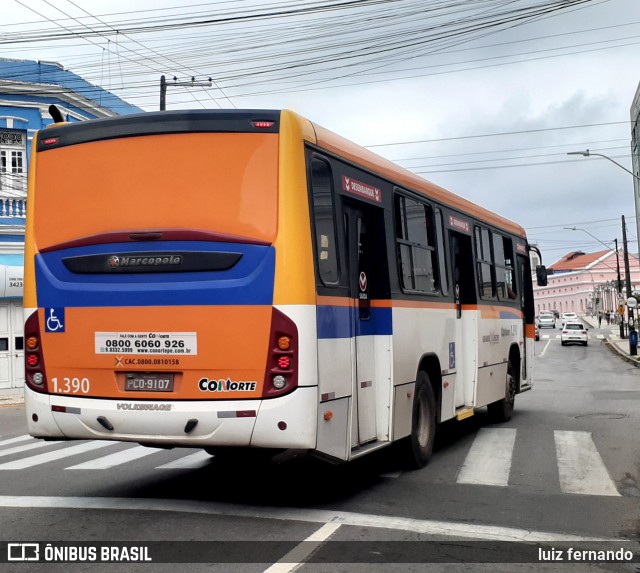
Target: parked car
546,319
537,333
573,332
568,317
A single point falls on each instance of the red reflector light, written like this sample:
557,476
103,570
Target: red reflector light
245,413
50,141
284,362
33,360
262,124
58,408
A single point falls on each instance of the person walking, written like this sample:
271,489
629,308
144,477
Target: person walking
599,319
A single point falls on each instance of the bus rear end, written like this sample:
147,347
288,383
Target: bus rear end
149,299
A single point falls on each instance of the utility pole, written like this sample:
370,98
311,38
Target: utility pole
164,84
163,93
619,285
633,335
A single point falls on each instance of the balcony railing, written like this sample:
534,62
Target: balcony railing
13,195
13,207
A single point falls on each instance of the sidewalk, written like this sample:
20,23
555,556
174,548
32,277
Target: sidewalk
611,335
11,396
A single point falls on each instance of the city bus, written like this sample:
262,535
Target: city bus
246,281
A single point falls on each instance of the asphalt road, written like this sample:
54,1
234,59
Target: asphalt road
563,472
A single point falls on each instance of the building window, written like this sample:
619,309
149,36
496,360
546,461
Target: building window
13,176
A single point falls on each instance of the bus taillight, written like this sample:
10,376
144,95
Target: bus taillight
281,375
35,375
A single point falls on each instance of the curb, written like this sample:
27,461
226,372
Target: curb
623,355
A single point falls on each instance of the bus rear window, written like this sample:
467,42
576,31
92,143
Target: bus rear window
219,182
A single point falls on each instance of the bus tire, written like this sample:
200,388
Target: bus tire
418,446
502,410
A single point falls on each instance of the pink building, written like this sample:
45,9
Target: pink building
585,283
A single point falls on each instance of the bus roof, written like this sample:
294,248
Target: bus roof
363,157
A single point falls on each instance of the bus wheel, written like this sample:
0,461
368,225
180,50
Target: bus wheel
417,447
502,410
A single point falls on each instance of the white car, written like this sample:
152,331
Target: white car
569,317
573,332
546,319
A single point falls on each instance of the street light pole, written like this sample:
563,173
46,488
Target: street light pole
587,153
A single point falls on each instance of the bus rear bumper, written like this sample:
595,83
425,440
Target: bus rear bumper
285,422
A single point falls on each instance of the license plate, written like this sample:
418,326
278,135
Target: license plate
149,382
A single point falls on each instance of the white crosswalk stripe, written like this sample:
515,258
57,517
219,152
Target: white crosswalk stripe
33,445
580,465
15,440
54,456
489,459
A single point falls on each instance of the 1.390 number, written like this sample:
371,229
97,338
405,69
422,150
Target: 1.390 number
71,385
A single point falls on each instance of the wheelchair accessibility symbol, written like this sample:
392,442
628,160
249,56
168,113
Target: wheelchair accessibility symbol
54,321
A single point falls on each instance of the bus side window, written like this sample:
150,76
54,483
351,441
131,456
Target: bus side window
442,259
509,278
503,260
323,214
486,281
416,245
499,261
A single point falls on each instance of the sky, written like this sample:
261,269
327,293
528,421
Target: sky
482,97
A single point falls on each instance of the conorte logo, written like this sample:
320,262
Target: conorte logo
146,260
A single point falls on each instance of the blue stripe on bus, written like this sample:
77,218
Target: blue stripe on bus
344,322
249,282
510,314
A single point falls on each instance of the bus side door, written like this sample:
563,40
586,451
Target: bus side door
370,313
462,266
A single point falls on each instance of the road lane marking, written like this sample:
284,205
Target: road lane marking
192,461
300,553
581,468
428,527
545,347
55,455
489,459
116,459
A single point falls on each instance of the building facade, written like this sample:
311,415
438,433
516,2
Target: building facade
587,283
27,89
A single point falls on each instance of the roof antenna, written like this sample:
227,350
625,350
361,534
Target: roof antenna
56,114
